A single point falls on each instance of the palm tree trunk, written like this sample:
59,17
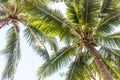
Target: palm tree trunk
98,60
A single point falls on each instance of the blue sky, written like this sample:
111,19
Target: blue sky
29,62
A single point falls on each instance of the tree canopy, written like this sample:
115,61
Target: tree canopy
88,32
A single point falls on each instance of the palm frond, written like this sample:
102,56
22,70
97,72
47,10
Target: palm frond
105,51
110,7
50,21
95,70
57,31
40,10
12,51
108,41
60,59
33,38
111,58
114,35
112,55
84,12
109,15
45,37
78,70
113,68
107,24
106,28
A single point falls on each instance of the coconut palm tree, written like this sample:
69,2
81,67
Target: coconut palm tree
88,31
12,14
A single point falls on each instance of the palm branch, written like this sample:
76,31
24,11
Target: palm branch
59,59
12,52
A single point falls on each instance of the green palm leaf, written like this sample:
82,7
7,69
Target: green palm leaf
109,21
94,70
84,12
105,50
109,15
45,38
113,68
108,41
60,59
33,38
111,54
54,22
78,70
109,6
12,52
115,35
41,11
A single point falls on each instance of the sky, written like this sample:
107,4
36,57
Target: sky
30,61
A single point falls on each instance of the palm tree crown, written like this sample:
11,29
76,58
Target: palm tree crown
89,24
